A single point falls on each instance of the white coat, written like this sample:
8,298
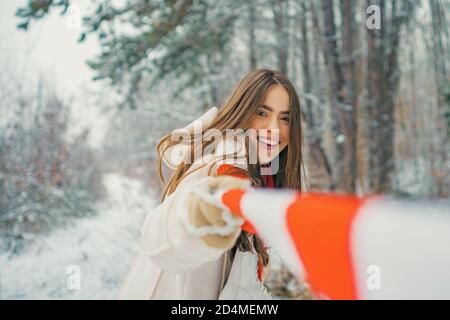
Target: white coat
174,263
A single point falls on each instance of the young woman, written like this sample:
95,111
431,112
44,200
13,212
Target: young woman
192,249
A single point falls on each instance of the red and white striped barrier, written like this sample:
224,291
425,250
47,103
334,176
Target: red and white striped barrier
345,247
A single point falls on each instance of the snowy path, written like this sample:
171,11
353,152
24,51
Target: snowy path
102,247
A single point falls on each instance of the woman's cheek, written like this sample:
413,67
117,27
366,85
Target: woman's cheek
258,122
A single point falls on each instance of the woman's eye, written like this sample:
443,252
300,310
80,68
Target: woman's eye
286,119
261,113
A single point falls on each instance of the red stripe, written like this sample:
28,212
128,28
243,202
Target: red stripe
232,199
320,226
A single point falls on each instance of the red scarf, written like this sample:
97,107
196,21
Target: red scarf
268,181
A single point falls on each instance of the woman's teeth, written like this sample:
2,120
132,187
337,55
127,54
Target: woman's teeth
268,143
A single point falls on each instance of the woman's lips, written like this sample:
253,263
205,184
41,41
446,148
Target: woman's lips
268,144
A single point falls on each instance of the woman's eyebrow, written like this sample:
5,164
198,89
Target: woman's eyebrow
271,109
267,107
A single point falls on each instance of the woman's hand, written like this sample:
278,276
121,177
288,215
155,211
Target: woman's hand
202,213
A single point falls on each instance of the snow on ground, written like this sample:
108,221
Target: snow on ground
102,247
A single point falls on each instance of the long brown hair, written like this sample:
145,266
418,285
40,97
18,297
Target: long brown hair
238,113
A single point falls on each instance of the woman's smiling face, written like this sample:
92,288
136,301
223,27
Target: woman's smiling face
271,124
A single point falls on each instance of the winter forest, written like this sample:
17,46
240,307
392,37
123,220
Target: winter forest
372,75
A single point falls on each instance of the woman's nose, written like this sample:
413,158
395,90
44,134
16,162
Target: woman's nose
272,128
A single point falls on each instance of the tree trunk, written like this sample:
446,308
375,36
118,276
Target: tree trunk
341,73
440,54
317,158
382,86
251,35
280,17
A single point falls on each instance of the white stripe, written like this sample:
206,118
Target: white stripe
408,242
267,211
